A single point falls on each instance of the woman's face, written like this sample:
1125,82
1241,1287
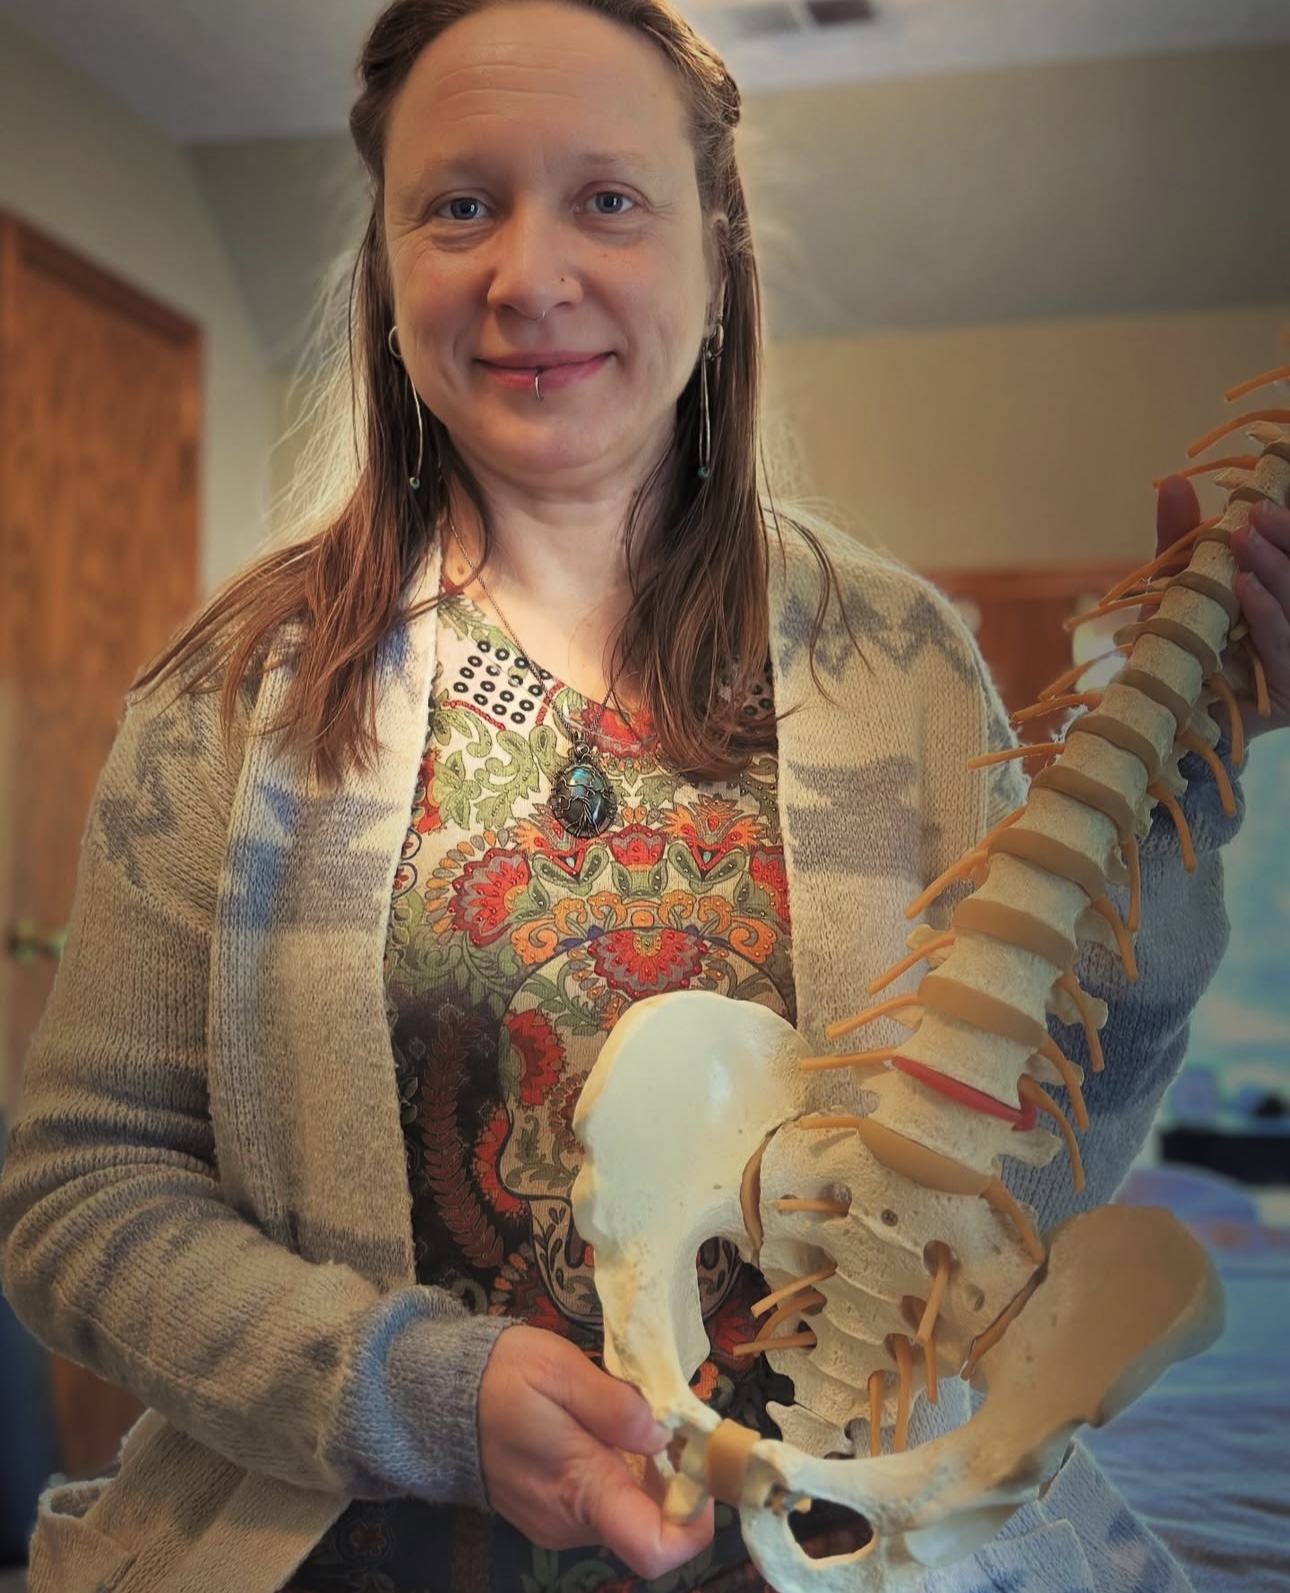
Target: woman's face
542,214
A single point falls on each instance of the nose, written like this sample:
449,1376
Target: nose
533,267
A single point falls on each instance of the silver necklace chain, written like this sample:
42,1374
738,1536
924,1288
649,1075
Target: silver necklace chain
574,734
582,798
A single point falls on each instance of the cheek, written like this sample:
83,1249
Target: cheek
402,267
670,312
690,295
433,290
437,302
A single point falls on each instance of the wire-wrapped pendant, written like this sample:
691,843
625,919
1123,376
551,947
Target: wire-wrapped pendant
582,798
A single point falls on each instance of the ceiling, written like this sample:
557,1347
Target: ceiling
259,69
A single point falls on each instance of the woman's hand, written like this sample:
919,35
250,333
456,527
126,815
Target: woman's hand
551,1431
1262,550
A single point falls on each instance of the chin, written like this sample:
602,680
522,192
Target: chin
573,446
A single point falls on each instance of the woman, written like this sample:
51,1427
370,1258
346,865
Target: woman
294,1155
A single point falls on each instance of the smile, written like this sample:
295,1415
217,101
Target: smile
558,370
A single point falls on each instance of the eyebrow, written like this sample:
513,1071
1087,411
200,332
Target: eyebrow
620,158
468,165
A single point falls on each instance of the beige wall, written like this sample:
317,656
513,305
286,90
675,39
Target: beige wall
1026,444
76,164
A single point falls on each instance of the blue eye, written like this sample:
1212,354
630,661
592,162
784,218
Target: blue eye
611,203
464,209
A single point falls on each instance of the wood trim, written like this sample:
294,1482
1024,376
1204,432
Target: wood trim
52,257
21,245
1032,581
1017,616
188,498
96,381
80,289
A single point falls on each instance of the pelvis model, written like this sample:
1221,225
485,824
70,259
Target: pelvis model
865,1185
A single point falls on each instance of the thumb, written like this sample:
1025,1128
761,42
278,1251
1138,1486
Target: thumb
610,1410
1177,511
623,1517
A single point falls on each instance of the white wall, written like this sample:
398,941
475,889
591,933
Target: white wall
79,166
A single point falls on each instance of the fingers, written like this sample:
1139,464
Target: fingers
626,1520
611,1411
1262,549
653,1481
1177,511
552,1428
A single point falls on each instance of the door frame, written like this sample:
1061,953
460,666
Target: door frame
24,246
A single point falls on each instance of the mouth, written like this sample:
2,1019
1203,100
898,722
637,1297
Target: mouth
557,368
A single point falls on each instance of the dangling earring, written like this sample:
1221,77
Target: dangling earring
392,342
708,354
414,480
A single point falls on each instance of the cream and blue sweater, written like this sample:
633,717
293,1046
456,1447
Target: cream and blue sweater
205,1197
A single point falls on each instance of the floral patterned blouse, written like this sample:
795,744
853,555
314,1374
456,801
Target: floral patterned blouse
513,949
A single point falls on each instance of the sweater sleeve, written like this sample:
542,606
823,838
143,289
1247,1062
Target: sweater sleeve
1183,935
117,1246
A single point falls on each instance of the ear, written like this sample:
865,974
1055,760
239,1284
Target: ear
716,234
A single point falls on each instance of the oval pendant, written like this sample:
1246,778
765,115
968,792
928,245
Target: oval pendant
582,798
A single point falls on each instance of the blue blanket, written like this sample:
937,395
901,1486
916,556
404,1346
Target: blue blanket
1204,1455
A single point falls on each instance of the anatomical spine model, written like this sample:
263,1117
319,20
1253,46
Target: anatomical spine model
865,1184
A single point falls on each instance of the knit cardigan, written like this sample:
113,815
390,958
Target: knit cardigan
205,1198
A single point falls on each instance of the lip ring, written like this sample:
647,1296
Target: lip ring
540,377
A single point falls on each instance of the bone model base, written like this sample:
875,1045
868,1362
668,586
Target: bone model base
895,1255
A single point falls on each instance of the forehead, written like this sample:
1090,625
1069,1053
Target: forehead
537,75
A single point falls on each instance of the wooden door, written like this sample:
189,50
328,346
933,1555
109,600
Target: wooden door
100,399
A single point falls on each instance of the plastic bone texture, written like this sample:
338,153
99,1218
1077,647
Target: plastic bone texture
894,1254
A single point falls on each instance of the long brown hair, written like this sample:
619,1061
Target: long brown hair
696,635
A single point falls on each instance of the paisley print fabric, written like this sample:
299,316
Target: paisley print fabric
513,949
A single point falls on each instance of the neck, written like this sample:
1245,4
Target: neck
556,575
560,534
572,556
